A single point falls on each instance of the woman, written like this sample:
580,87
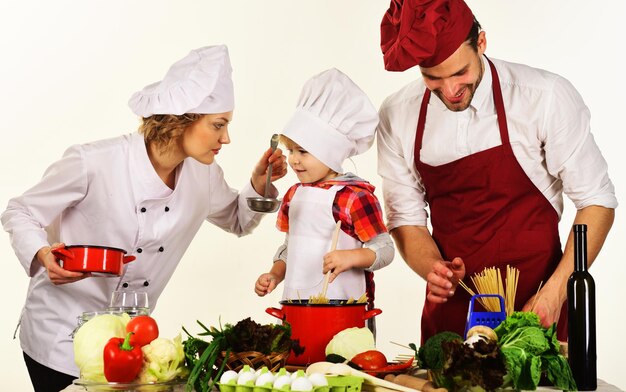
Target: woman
147,193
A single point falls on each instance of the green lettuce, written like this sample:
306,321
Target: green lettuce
530,351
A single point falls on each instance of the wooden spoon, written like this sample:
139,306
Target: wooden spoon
421,384
341,369
333,246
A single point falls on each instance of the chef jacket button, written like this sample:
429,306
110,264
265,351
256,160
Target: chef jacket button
139,250
161,249
167,208
125,284
143,209
146,283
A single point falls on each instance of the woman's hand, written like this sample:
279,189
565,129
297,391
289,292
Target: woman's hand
259,174
266,284
57,274
443,279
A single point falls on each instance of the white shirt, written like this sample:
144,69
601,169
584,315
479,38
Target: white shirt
549,131
96,195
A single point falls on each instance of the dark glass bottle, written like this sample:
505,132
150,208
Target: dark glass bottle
581,304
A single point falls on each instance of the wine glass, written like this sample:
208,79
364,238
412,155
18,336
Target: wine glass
134,303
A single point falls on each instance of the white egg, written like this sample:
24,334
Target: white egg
318,379
299,373
301,384
282,381
245,378
262,370
265,379
245,369
228,376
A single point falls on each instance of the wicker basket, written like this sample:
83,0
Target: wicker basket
254,359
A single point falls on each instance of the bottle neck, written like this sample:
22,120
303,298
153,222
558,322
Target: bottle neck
580,248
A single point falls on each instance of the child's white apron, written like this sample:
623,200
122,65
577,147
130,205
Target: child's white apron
311,226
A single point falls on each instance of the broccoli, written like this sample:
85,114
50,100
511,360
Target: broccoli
430,355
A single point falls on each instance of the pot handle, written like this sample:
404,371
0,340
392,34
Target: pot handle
128,259
62,253
278,313
371,313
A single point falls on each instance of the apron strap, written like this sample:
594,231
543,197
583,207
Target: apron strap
499,103
421,122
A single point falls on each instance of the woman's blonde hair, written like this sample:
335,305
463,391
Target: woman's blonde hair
164,129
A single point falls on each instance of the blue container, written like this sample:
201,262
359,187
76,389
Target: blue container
488,319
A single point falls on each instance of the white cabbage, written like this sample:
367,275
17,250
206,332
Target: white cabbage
350,342
89,342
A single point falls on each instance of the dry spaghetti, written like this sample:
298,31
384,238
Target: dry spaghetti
489,281
319,299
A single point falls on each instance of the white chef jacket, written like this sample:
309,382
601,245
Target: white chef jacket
108,193
548,128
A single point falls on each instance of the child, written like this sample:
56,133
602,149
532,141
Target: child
334,120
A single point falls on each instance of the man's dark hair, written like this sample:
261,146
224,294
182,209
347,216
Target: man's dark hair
472,37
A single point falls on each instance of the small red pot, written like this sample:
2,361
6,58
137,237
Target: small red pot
314,325
91,258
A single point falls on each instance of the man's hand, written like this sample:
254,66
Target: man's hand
547,303
57,274
443,279
550,299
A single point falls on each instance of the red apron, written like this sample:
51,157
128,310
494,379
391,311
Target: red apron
485,210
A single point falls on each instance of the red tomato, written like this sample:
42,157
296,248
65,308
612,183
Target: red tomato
145,330
370,360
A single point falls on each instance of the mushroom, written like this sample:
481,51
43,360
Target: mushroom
480,332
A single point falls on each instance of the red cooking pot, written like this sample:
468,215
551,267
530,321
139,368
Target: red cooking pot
314,325
91,258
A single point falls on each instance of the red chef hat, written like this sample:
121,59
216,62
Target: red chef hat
423,32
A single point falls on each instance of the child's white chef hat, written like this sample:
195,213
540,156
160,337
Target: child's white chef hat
198,83
334,119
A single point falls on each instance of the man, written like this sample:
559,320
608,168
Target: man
490,147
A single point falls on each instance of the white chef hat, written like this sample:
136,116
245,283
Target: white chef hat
334,119
198,83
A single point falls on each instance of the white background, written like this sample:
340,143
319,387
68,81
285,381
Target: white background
67,69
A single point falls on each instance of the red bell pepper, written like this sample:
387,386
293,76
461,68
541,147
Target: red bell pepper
122,362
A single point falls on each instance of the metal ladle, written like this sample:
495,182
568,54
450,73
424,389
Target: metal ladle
266,203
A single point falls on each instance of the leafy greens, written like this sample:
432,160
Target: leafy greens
524,354
531,350
202,356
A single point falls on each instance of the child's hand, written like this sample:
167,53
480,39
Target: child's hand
265,284
337,262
